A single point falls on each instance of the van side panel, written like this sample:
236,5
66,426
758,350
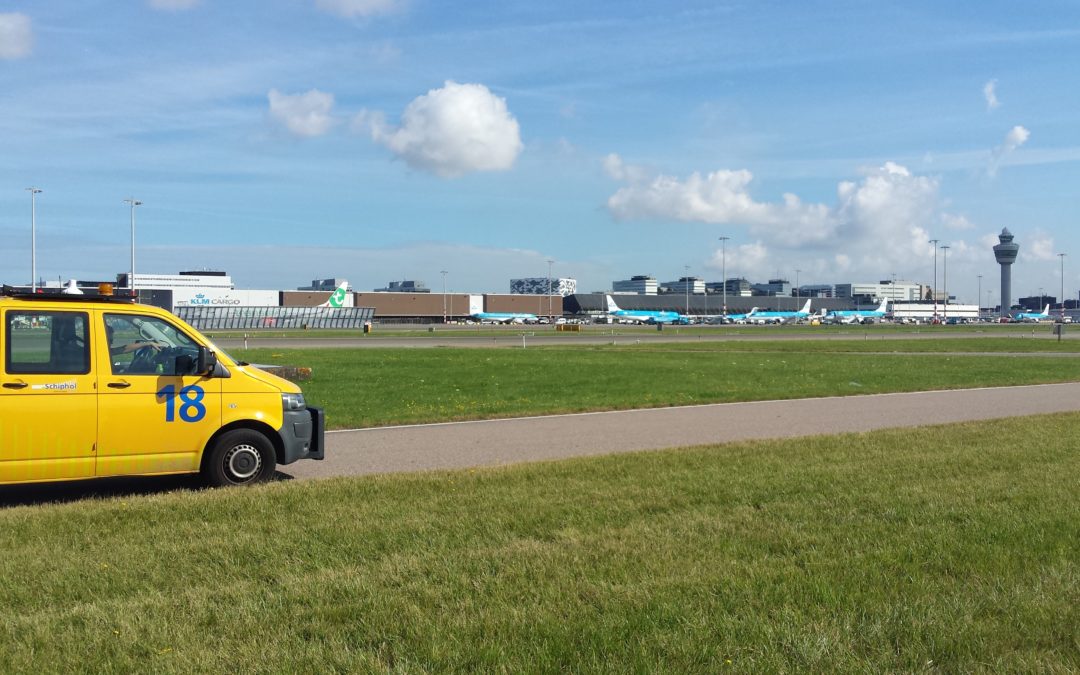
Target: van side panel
48,425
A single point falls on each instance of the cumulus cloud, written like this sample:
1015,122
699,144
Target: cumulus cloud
1016,137
16,36
719,197
451,131
879,224
990,94
306,114
360,8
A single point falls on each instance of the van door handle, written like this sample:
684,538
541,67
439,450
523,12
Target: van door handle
119,385
15,385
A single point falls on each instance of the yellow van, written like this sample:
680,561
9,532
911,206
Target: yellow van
96,385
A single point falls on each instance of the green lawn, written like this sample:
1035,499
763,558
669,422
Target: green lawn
372,387
950,548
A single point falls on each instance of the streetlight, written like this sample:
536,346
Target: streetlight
945,278
33,237
131,278
933,290
979,294
549,288
443,273
1062,257
686,288
723,269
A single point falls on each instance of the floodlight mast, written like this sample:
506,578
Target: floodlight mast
723,270
34,192
933,291
945,278
131,278
1062,257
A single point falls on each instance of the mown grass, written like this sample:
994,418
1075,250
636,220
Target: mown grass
950,548
369,387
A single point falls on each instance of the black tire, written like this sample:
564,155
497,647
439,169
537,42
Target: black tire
239,457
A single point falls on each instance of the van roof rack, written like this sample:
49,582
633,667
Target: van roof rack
124,296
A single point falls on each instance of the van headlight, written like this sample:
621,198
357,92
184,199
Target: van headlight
293,402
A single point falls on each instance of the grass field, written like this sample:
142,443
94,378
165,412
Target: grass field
952,549
373,387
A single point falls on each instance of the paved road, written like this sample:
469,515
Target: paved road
491,443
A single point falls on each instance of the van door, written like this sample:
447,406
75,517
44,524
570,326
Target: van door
47,395
154,416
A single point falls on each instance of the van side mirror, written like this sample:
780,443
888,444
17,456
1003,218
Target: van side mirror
207,362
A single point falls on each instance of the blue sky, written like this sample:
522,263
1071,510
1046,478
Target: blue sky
382,139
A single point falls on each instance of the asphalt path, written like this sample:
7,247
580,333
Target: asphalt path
462,445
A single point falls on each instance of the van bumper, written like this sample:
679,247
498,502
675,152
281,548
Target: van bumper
303,435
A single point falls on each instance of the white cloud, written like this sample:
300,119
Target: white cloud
360,8
990,94
173,5
1016,137
451,131
1041,248
879,225
718,197
16,36
306,114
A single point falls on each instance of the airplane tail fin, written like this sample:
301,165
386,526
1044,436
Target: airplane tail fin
806,307
338,297
884,305
1046,310
753,311
611,306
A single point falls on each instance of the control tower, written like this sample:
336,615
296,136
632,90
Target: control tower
1005,252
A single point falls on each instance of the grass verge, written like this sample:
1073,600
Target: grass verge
374,387
953,548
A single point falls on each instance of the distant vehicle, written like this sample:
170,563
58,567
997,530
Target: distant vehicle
339,298
642,315
780,317
857,315
504,317
1033,317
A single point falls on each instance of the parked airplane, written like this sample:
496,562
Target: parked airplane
642,315
738,318
1034,317
503,317
339,298
780,317
857,315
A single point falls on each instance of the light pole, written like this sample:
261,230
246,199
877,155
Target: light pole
723,269
33,237
686,288
131,278
1062,257
945,278
933,290
443,273
978,295
549,288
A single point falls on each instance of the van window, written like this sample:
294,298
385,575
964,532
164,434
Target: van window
47,343
146,345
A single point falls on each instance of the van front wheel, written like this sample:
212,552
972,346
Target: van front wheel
240,457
